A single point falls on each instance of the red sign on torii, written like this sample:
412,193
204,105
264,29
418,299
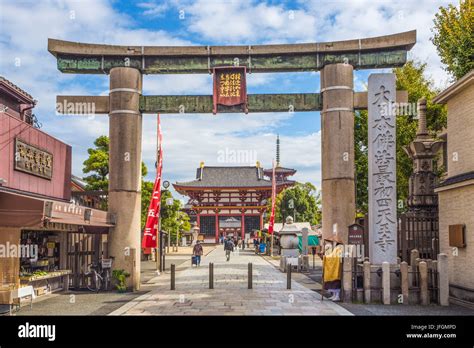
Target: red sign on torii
230,87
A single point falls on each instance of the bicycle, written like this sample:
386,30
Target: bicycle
99,277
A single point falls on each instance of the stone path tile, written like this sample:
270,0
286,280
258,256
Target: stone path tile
230,295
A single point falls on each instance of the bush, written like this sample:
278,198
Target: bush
120,277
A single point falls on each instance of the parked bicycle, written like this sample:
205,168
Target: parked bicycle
99,276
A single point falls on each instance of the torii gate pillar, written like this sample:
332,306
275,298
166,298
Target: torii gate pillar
125,132
337,125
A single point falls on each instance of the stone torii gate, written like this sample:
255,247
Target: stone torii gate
126,104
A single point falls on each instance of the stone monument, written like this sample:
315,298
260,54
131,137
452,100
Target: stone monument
382,169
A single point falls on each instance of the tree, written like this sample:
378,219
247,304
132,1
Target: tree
411,77
98,165
172,218
454,37
306,201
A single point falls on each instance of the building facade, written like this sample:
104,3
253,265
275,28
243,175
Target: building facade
36,211
229,201
456,192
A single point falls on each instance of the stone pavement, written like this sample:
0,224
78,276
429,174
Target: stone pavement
230,295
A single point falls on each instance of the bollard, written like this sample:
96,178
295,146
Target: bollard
211,275
250,276
424,297
288,275
173,287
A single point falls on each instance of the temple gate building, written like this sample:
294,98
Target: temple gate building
232,201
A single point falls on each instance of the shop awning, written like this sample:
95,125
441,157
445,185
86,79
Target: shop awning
23,210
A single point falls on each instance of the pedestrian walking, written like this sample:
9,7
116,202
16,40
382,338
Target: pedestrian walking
197,253
228,247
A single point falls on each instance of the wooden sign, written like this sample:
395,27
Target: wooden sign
32,160
356,235
230,88
456,235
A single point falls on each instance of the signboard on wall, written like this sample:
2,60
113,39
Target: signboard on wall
230,87
33,160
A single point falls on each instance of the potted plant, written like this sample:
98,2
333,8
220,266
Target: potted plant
120,277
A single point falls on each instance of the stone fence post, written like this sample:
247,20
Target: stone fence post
386,282
443,279
347,263
367,282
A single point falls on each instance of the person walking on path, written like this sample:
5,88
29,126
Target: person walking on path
228,247
197,252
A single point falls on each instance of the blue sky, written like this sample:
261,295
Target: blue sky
189,139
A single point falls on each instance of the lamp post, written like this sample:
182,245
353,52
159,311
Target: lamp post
159,250
169,202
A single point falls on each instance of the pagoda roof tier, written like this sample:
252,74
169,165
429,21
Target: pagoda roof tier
226,177
290,171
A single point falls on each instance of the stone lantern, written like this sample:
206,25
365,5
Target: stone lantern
422,151
289,238
195,233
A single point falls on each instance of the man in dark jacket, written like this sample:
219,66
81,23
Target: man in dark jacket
197,252
228,247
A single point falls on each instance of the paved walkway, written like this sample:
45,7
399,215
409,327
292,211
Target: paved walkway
230,295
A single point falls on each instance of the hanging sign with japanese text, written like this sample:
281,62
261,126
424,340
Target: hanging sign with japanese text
32,160
230,88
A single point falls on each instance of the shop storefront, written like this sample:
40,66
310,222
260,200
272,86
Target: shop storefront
46,241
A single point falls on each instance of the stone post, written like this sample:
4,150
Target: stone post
304,241
367,282
125,132
337,125
382,169
347,278
424,296
386,282
404,282
443,279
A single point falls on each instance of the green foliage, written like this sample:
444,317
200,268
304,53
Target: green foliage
411,77
98,165
306,201
454,37
120,277
147,190
173,220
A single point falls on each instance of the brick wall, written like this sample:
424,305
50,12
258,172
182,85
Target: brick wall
456,206
461,132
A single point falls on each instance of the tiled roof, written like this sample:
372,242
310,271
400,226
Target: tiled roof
281,170
15,87
228,177
457,179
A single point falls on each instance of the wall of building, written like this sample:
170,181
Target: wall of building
59,185
461,132
456,206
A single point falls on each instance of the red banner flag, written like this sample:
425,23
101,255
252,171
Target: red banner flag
152,220
271,223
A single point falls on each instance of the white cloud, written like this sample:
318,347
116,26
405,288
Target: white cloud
189,139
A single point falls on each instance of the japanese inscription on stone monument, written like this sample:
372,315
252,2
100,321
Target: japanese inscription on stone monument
382,169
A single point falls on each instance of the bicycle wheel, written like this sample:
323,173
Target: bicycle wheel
98,282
